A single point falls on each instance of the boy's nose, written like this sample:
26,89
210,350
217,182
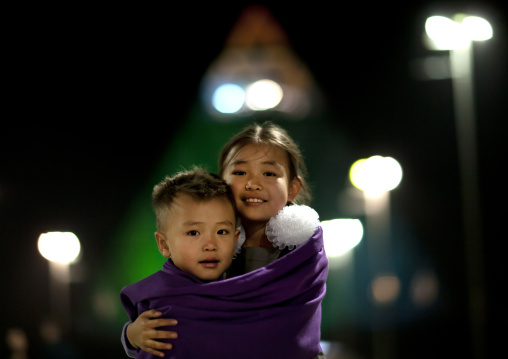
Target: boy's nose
210,244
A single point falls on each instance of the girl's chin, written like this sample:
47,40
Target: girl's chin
255,220
256,214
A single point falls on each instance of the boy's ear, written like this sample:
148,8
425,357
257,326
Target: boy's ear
162,244
294,188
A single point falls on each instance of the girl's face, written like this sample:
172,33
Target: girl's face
259,178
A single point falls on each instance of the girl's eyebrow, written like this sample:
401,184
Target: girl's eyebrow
237,162
270,163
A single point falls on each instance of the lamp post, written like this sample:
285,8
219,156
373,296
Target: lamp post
60,249
376,177
457,35
340,236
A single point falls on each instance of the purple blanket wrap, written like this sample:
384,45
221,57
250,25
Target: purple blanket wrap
272,312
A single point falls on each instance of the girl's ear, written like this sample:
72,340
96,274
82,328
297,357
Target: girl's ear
294,188
162,244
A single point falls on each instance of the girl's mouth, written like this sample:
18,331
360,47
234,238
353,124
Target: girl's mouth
254,200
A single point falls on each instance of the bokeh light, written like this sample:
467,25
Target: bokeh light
263,95
60,247
228,98
385,289
477,28
341,235
376,174
447,34
424,288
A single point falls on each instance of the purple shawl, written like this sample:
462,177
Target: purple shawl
272,312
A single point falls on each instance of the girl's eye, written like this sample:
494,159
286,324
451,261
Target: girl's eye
193,233
222,231
270,174
238,173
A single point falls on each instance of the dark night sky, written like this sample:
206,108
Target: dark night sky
89,114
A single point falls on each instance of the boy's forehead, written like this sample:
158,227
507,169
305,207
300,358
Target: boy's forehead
184,199
184,202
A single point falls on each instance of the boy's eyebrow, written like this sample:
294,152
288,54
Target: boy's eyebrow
193,223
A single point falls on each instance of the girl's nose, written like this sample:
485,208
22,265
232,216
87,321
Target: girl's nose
253,184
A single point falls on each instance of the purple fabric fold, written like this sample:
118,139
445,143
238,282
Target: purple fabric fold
272,312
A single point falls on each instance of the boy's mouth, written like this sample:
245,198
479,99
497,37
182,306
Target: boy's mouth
209,263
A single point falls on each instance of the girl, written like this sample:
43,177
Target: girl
266,172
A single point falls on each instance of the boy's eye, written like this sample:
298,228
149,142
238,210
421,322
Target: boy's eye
239,173
222,231
270,174
193,233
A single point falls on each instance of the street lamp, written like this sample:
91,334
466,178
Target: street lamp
60,249
457,36
376,176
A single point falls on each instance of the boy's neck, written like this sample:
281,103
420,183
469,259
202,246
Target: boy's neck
256,237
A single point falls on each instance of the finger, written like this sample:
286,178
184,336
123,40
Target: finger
163,334
152,347
152,313
155,352
155,323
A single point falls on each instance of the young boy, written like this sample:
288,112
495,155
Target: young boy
196,231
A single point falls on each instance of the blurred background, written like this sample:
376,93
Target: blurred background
101,102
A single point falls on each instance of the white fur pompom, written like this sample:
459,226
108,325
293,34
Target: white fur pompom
292,226
241,240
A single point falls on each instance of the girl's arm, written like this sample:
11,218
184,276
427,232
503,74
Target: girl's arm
142,333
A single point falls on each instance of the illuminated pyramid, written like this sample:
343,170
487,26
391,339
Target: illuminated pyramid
257,71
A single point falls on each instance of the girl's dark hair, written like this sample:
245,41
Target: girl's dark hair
272,135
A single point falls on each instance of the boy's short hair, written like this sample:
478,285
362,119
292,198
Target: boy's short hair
197,183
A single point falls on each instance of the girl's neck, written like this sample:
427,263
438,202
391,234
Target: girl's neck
255,236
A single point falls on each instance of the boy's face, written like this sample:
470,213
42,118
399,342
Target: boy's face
200,237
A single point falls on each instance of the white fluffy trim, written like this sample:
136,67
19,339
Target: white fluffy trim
292,226
241,240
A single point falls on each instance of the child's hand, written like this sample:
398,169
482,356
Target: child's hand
142,333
